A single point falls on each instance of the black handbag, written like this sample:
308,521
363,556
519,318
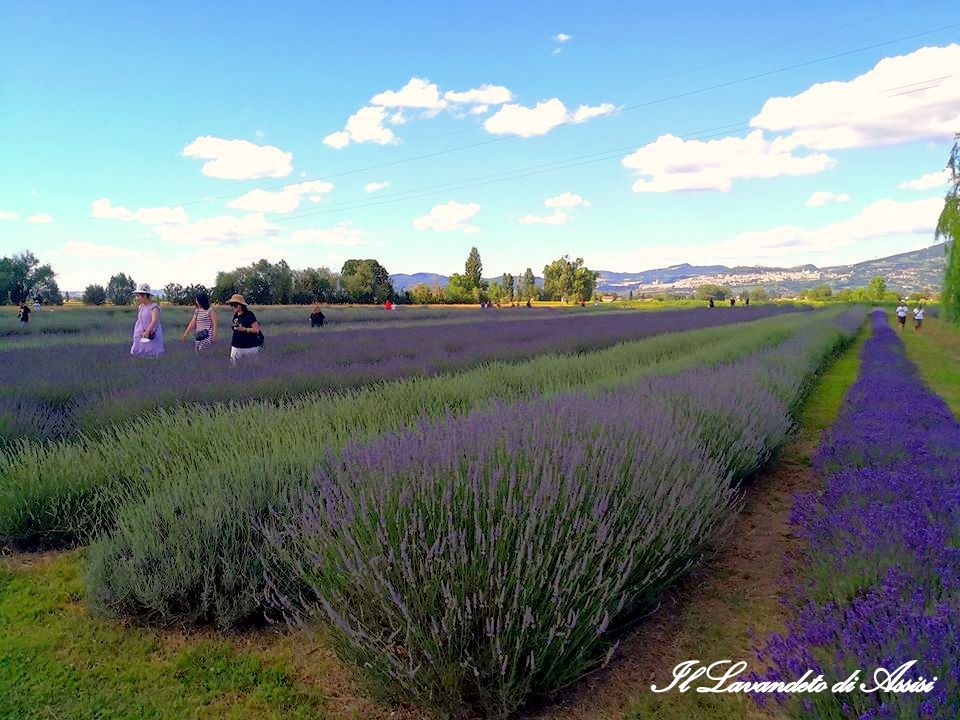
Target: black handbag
202,335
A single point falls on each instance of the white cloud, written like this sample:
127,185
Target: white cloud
557,218
316,189
557,51
263,201
220,229
588,112
8,215
417,93
822,197
239,159
374,186
567,199
901,99
562,37
515,119
884,218
343,235
486,94
259,134
207,257
449,216
389,106
339,139
365,125
927,182
104,208
670,164
40,219
94,251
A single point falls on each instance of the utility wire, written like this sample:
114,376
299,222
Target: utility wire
457,186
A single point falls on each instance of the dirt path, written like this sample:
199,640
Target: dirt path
707,616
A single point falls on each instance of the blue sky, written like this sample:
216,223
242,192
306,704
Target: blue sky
174,140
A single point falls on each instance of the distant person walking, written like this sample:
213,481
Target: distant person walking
388,305
746,300
23,314
710,303
148,332
733,302
316,316
918,317
203,324
247,338
902,315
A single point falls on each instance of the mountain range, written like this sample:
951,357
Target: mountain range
905,272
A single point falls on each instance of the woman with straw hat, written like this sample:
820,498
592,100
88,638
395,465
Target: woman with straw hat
148,332
247,338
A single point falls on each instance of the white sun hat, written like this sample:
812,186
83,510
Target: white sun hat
143,289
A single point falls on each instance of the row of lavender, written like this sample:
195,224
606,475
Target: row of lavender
482,559
47,394
878,584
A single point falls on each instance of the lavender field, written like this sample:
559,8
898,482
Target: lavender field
468,512
52,392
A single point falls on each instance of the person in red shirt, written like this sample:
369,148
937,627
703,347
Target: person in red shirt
388,305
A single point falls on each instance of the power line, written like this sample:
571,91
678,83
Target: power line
627,108
661,78
359,204
469,183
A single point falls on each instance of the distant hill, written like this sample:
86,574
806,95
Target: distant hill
906,272
403,282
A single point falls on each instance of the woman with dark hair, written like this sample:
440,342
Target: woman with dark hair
203,324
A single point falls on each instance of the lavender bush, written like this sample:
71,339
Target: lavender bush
57,492
85,386
180,498
476,560
878,584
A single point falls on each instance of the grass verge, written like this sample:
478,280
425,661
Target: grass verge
56,661
935,350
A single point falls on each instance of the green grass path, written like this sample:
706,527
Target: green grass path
935,350
717,622
58,662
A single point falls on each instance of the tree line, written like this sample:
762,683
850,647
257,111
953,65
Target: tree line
364,281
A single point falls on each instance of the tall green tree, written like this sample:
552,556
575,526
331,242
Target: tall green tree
948,230
473,269
313,285
528,286
365,281
566,279
876,289
120,289
708,291
509,288
94,295
22,278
